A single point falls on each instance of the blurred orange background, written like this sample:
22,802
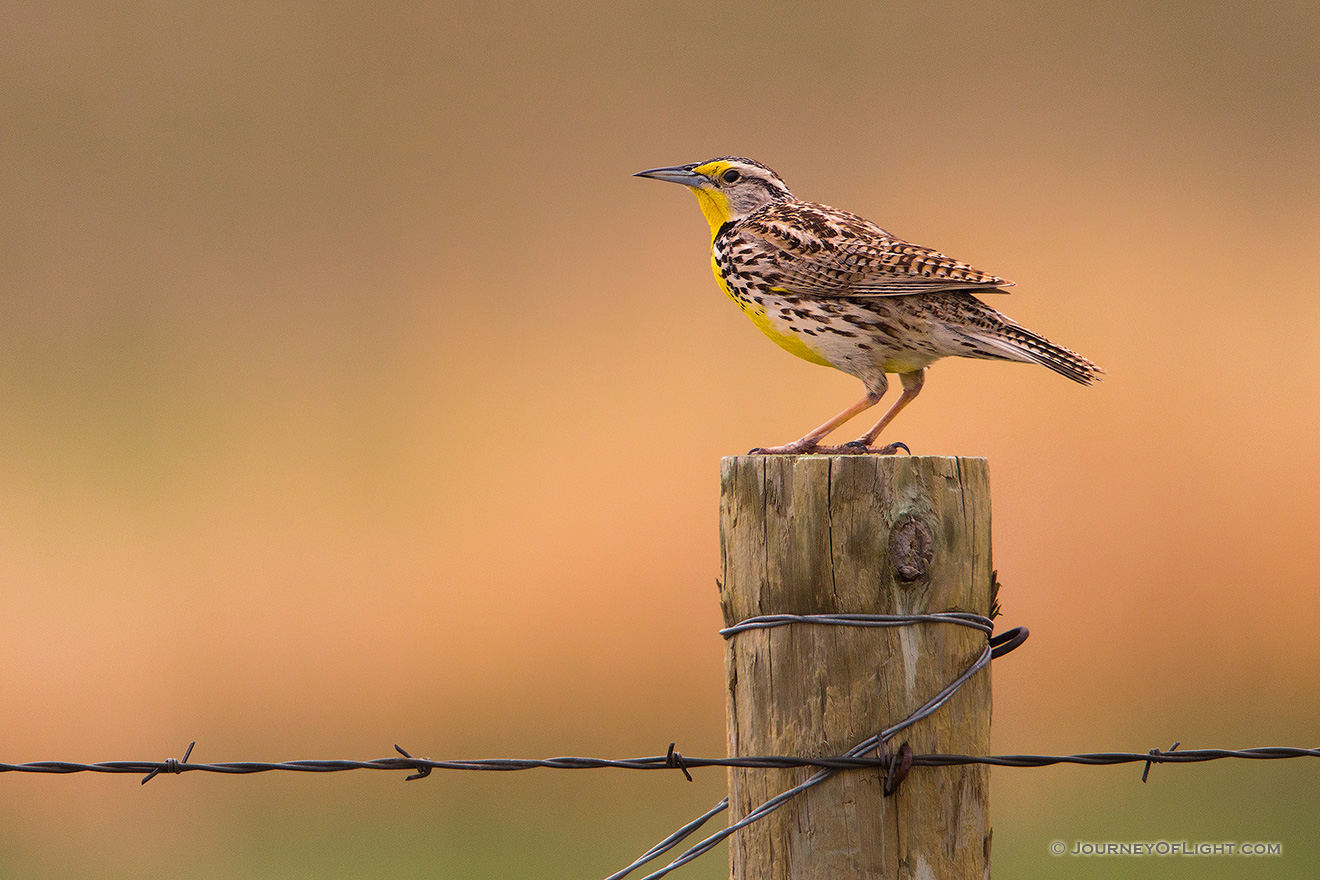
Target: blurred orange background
354,393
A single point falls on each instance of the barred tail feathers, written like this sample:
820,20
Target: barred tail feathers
1011,341
1039,350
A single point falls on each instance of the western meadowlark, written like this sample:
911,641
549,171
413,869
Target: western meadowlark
837,290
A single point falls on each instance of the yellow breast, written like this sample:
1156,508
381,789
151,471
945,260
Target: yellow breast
790,342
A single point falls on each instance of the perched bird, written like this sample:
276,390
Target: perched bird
837,290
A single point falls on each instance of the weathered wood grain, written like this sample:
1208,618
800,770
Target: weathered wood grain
871,535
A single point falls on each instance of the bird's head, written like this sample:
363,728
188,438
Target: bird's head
727,188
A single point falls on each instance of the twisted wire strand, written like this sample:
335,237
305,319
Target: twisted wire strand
659,762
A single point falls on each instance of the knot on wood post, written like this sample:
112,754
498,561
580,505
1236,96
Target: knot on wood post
911,546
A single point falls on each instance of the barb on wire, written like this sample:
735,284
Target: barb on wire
675,759
170,765
423,767
899,765
1153,752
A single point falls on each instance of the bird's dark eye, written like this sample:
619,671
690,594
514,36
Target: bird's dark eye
730,176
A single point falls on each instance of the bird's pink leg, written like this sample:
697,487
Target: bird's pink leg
912,383
810,441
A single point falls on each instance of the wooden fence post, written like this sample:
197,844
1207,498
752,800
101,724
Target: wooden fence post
865,535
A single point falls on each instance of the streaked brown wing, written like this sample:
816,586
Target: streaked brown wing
820,251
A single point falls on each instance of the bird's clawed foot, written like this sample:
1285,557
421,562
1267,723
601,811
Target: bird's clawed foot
797,447
805,447
859,447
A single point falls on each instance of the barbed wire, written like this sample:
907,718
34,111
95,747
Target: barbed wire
893,767
421,767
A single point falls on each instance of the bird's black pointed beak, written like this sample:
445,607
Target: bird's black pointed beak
675,174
